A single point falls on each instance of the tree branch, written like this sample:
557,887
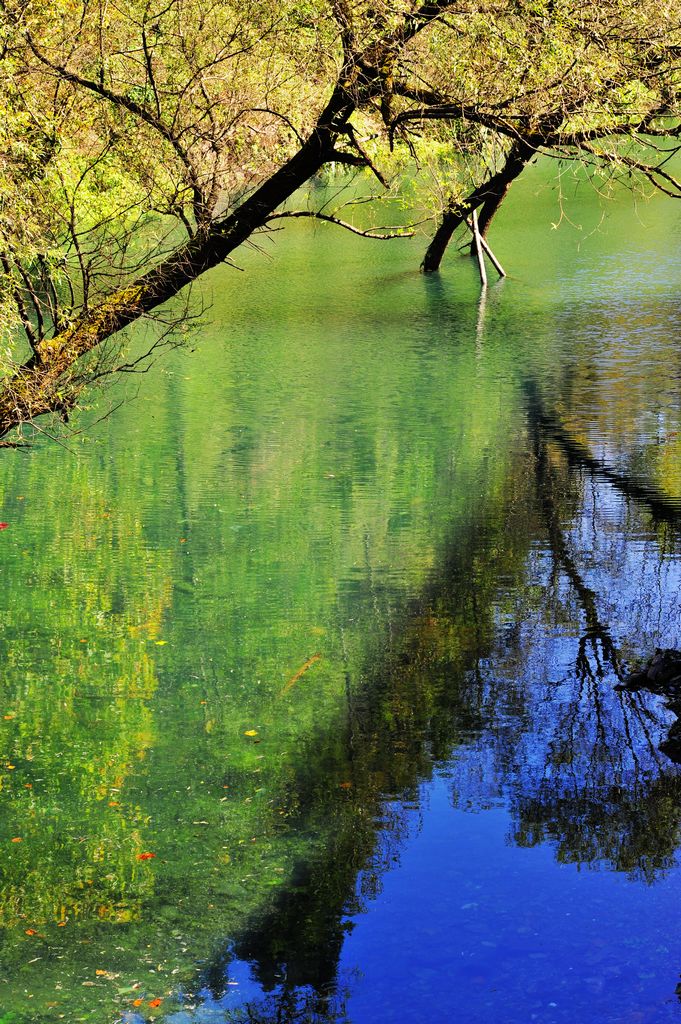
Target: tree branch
19,302
139,111
369,233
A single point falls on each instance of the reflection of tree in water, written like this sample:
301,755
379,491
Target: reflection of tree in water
509,659
601,791
412,706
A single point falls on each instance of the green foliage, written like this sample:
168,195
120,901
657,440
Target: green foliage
126,137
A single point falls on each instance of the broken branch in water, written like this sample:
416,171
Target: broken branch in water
301,672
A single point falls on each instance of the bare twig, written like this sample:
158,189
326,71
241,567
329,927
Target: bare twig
384,234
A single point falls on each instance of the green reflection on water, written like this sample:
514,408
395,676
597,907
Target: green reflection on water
221,636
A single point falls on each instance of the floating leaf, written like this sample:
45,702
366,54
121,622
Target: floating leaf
4,526
146,856
345,785
155,1002
31,931
17,839
251,732
137,1002
160,643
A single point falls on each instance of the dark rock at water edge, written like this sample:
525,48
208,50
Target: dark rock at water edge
662,674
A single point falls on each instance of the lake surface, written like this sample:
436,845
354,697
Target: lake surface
310,647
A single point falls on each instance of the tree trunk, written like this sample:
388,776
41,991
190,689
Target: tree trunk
518,156
488,197
35,388
451,219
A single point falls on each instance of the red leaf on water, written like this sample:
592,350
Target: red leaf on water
3,526
155,1002
145,856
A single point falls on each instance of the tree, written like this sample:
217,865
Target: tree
141,149
172,114
593,83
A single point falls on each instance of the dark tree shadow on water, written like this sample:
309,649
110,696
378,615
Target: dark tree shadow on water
449,676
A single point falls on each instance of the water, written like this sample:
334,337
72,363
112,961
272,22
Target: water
308,706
